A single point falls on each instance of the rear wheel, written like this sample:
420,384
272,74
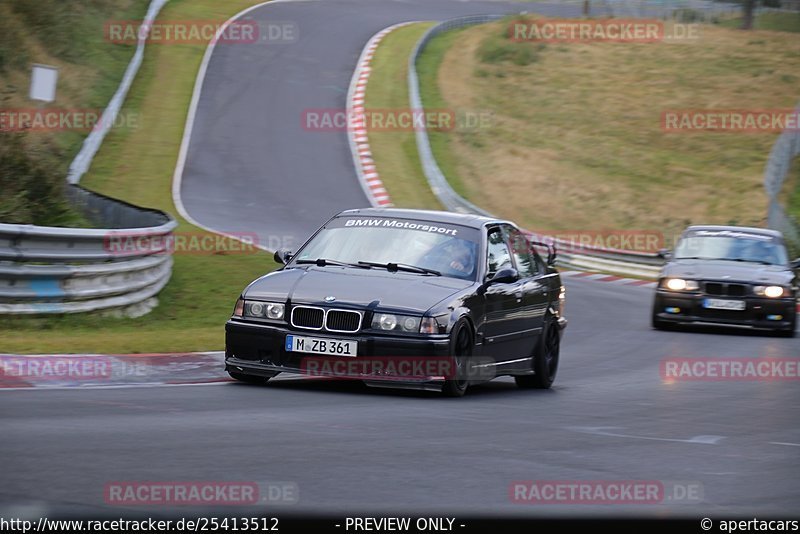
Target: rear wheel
461,351
545,359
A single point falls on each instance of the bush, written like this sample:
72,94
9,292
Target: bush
32,186
11,55
500,48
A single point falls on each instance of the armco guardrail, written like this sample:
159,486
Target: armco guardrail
784,151
623,262
47,270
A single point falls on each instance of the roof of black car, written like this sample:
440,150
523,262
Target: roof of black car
749,229
447,217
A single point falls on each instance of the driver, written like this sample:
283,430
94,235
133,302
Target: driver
461,257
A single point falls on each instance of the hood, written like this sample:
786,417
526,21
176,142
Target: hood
729,271
356,287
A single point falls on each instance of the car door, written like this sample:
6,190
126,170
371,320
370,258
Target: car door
535,292
502,301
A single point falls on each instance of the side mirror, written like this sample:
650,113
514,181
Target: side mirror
664,253
551,257
504,276
283,256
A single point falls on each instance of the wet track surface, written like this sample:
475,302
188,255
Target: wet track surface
610,416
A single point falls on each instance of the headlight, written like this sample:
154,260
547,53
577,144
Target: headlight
268,310
679,284
390,321
275,311
772,292
562,300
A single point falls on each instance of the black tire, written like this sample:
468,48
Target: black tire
545,359
248,379
461,344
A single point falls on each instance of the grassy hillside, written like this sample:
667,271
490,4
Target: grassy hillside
68,35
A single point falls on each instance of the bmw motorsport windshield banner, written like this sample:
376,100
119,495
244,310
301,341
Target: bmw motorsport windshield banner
444,229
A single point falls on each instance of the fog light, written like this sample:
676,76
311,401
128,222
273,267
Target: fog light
672,310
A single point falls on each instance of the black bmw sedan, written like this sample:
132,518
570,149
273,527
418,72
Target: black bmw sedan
404,298
728,275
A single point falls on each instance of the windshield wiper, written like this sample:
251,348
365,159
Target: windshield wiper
762,262
323,262
394,267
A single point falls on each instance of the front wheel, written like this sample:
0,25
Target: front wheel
461,351
545,359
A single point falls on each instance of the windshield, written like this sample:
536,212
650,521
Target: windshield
448,250
745,248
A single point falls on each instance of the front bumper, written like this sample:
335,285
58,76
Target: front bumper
760,312
259,349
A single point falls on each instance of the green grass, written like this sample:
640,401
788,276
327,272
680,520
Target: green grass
779,22
396,151
793,190
427,71
137,166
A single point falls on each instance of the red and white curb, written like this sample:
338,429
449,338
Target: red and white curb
601,277
357,129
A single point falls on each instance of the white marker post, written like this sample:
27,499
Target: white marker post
44,79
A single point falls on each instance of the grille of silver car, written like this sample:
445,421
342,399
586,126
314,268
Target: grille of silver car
725,290
314,318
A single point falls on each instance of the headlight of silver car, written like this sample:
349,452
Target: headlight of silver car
772,292
398,323
679,284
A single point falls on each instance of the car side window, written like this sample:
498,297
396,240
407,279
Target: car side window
498,256
523,256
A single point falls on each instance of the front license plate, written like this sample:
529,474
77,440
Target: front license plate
318,345
721,304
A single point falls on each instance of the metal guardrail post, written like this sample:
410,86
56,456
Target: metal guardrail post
52,270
